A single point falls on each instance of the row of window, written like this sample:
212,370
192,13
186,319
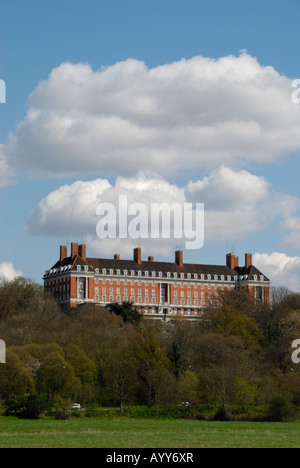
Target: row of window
152,300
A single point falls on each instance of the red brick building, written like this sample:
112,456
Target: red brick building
158,289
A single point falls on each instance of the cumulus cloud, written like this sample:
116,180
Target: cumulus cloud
8,271
6,171
282,269
186,115
236,202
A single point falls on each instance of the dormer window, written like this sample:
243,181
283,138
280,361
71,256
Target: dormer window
78,268
86,268
104,271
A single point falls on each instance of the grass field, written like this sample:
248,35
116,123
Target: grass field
145,433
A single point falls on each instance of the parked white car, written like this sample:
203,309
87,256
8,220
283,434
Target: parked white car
75,407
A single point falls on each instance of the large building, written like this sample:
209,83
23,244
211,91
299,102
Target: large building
158,289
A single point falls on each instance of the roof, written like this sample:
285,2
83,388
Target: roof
164,267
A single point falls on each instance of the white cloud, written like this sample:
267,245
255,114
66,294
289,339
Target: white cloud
8,271
6,171
280,268
191,114
237,203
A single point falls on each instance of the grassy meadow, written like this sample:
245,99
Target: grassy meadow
145,433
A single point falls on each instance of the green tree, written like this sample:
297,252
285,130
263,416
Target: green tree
15,377
127,311
229,321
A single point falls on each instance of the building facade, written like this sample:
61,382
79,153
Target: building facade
157,289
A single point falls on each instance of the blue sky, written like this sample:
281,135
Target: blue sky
70,39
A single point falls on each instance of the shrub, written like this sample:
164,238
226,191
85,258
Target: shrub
279,410
222,415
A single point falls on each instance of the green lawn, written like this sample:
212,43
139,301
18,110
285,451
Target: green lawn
145,433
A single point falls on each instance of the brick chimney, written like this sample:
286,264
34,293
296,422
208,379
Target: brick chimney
117,257
179,257
248,260
230,261
82,252
236,261
74,249
151,259
63,252
137,255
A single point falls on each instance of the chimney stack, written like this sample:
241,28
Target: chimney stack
179,257
63,252
137,255
74,249
248,260
232,261
151,259
117,257
82,252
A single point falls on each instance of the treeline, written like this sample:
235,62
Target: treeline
237,357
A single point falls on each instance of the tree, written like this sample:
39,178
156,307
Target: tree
188,387
15,378
127,311
153,366
232,322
